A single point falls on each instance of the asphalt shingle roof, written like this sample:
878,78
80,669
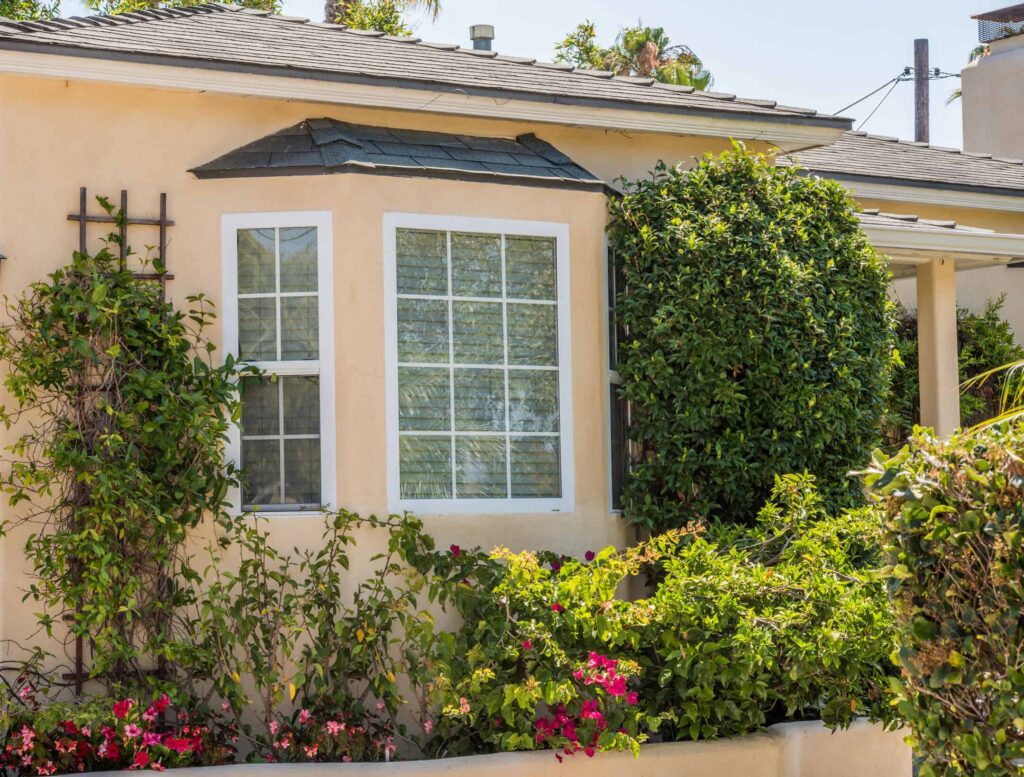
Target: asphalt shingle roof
227,37
857,156
874,217
319,146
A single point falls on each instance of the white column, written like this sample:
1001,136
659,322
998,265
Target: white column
937,350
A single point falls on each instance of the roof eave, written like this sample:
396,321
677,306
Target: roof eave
67,62
918,245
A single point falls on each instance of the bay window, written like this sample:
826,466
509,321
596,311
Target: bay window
478,355
277,317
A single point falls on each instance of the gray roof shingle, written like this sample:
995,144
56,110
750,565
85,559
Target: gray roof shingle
227,37
858,156
873,217
319,146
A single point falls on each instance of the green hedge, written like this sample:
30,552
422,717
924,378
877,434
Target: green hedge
758,337
957,580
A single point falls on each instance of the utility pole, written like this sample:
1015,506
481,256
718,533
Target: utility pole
921,85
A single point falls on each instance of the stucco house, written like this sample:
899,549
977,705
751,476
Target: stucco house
411,236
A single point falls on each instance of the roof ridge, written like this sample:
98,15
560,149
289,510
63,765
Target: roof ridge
944,149
130,17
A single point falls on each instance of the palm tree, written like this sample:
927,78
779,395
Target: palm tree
336,10
1011,406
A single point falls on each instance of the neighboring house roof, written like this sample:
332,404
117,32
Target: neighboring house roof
218,37
319,146
857,156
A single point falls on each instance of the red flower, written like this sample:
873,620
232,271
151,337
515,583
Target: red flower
162,703
122,707
590,752
527,645
556,607
456,550
141,759
69,727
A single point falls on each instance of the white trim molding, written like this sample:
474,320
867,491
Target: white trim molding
929,195
977,245
787,135
324,369
560,232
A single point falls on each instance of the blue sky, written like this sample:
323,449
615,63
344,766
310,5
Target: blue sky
816,53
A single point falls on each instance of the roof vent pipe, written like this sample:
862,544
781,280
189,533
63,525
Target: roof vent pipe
482,35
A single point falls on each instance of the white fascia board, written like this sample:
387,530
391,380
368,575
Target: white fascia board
197,79
931,196
995,246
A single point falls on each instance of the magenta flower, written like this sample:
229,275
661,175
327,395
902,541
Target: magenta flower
527,645
131,731
632,698
556,607
556,565
456,550
589,555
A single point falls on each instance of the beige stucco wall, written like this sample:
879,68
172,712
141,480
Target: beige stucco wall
786,750
56,136
993,100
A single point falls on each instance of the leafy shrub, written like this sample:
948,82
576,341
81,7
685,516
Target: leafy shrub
957,580
747,626
757,337
127,734
985,342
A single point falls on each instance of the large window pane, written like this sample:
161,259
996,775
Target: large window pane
619,458
533,400
426,467
301,404
422,262
422,330
260,407
477,333
480,467
298,259
535,467
479,400
257,329
530,269
261,473
533,335
300,329
256,271
424,402
302,471
476,265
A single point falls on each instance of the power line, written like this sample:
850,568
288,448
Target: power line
880,102
907,75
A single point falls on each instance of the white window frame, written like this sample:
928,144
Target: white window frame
560,232
323,367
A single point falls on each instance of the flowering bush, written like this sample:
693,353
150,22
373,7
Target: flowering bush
747,627
309,738
59,739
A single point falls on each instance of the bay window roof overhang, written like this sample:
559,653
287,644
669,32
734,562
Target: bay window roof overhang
325,146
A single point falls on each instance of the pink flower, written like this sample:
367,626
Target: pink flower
527,645
463,705
632,698
556,607
428,726
151,738
381,706
456,550
24,693
150,715
305,716
333,728
273,726
122,707
311,750
590,752
346,759
131,731
589,555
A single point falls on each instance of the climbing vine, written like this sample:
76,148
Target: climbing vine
120,414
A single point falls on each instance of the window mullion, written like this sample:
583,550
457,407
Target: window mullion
504,346
451,363
280,430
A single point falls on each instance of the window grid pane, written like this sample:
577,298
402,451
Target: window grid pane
501,386
279,311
